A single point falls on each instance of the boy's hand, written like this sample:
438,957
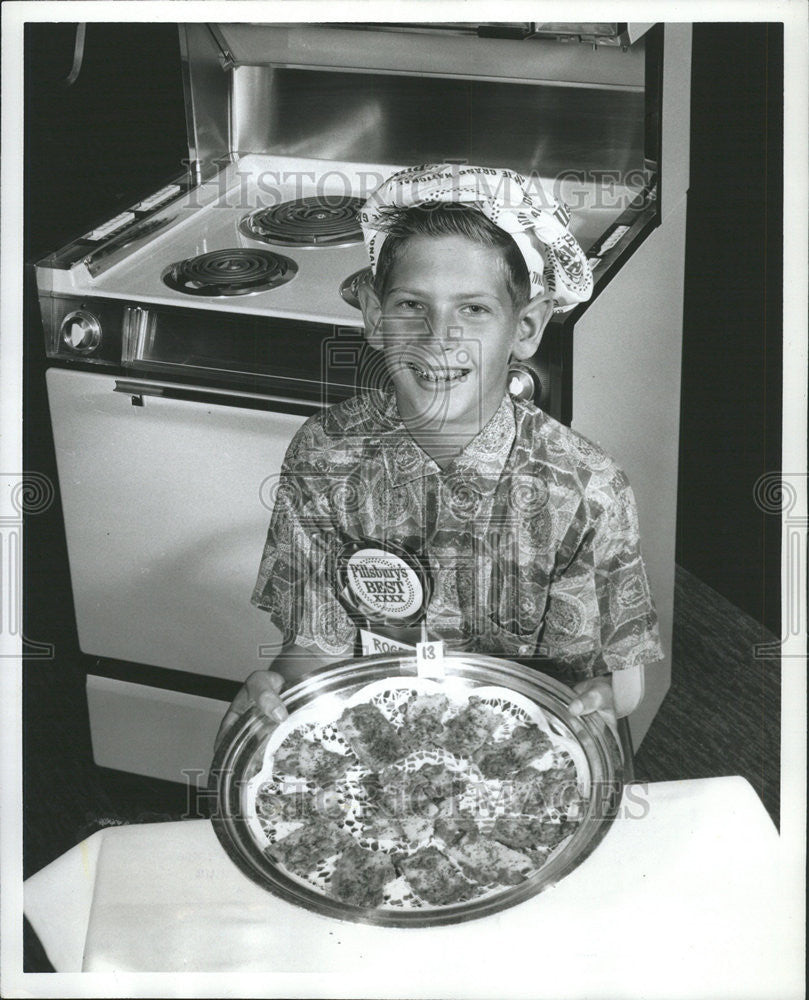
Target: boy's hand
260,689
595,695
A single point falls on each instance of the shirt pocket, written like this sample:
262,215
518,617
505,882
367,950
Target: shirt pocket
514,637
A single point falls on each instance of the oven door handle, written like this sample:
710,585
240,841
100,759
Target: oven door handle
190,394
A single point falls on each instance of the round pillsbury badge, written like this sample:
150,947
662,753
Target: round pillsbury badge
382,584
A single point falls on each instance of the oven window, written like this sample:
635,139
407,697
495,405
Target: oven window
258,351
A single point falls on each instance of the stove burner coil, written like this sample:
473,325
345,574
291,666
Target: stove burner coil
307,222
349,289
230,272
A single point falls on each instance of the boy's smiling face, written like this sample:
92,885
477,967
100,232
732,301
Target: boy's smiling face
448,327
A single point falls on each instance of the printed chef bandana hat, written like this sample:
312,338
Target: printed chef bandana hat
519,206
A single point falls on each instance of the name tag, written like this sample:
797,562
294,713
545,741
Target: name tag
374,645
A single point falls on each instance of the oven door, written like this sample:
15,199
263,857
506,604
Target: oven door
167,494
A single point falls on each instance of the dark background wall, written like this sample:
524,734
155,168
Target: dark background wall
115,135
730,431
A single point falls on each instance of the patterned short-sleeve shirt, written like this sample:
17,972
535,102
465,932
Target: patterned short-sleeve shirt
531,536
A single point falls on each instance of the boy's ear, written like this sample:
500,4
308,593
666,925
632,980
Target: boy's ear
371,312
531,324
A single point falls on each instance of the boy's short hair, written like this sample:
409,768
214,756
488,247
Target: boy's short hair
450,219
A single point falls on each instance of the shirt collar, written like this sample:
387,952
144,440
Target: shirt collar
484,457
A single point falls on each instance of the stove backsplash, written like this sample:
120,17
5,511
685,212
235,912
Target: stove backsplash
359,117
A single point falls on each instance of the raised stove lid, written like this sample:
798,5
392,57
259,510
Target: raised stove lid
438,51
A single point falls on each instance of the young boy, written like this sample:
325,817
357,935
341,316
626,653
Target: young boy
528,530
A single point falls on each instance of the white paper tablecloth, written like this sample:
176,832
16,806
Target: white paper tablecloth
680,899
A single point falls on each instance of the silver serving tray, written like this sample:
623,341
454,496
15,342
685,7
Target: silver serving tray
240,757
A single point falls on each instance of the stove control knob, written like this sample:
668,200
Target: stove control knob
523,383
81,332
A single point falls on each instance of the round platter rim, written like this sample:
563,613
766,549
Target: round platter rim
238,752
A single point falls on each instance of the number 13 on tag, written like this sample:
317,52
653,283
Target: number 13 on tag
430,659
